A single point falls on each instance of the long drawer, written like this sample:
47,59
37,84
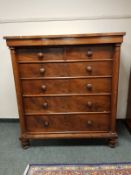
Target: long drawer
65,53
99,68
66,104
68,123
60,86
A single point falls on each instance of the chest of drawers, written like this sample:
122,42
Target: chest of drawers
66,85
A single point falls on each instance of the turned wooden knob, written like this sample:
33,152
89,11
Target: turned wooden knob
42,70
46,123
43,87
89,87
89,104
89,53
89,122
89,69
40,55
45,105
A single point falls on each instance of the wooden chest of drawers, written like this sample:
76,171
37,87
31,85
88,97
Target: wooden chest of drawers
66,85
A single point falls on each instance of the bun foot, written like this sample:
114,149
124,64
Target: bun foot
25,143
112,142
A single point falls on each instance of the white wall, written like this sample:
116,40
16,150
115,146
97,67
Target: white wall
43,17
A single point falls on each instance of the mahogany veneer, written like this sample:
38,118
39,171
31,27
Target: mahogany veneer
66,85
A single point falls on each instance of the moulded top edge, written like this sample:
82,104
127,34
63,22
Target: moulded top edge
65,36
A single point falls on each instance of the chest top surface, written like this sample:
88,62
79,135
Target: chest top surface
70,39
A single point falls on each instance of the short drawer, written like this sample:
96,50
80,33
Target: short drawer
89,52
100,68
67,104
40,53
68,123
68,86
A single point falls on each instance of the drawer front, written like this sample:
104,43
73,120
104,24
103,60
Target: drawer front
67,104
89,52
40,53
66,69
60,53
59,86
61,123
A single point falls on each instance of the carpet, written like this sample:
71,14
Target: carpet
87,169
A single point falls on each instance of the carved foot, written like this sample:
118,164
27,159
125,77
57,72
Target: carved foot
25,143
112,142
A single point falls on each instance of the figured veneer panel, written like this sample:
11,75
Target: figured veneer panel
40,53
68,123
67,104
90,52
67,86
66,69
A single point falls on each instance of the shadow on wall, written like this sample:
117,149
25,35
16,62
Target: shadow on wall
128,112
122,87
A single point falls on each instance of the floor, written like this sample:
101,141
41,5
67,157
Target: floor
13,159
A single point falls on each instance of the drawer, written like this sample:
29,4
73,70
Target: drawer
40,53
66,104
99,68
89,52
68,123
60,86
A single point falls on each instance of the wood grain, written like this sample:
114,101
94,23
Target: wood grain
67,104
65,69
67,123
75,86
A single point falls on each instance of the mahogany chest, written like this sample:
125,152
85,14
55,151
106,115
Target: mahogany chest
66,85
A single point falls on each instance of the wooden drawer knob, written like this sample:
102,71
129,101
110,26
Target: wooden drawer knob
40,55
89,122
46,124
89,87
89,53
89,104
89,69
45,105
43,87
42,70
